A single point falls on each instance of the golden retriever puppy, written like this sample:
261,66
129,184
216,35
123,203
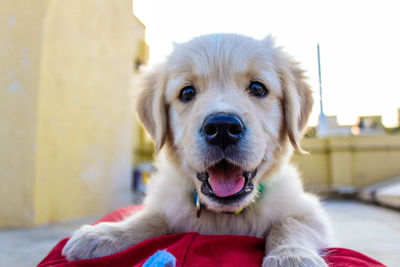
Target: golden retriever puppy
225,112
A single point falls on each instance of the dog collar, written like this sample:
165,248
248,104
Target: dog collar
199,205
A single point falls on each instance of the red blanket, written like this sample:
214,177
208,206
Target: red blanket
193,249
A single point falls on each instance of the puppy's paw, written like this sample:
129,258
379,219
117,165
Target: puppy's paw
293,257
94,241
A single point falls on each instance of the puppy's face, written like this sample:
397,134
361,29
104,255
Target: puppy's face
230,104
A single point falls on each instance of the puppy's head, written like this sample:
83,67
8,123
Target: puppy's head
226,105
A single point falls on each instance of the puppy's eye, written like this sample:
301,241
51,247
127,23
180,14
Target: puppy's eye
258,89
187,94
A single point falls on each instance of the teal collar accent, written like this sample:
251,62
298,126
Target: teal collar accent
197,203
260,190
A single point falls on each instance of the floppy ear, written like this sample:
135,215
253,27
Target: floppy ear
297,101
151,107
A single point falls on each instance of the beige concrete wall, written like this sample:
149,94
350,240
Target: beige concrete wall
376,160
349,162
314,167
20,51
65,111
85,118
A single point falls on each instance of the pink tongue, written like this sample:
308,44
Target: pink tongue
226,181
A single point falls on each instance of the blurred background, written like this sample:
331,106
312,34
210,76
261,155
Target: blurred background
72,149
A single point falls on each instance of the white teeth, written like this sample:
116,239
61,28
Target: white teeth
206,190
249,188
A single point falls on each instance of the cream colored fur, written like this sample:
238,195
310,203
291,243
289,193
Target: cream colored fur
220,67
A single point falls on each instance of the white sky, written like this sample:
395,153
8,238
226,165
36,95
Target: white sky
359,39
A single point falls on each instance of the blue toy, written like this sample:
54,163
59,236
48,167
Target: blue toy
161,258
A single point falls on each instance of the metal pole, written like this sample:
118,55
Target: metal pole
322,125
320,81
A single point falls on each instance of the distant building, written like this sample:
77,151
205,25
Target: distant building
369,125
365,125
332,128
398,117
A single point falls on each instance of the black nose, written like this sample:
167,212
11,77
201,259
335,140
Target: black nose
222,129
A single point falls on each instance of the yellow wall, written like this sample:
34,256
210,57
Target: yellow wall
65,112
20,48
315,165
349,162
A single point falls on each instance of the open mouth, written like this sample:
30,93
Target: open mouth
225,181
